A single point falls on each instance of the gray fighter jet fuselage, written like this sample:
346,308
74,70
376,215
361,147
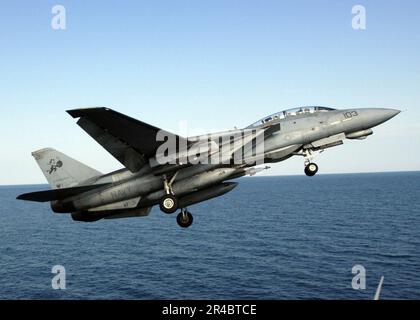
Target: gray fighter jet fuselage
198,169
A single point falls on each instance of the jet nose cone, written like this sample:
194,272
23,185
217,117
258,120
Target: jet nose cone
389,113
374,117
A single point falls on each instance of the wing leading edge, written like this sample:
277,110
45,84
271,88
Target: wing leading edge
130,141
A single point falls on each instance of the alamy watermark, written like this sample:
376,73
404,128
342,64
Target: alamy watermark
58,21
58,282
236,147
359,280
359,19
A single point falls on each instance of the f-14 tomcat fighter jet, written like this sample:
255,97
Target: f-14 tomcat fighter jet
161,168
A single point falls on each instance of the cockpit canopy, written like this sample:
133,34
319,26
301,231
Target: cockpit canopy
291,113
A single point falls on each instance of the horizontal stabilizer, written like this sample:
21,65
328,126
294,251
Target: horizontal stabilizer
57,194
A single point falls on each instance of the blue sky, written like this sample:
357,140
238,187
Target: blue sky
214,64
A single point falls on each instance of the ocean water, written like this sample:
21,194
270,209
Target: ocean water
270,238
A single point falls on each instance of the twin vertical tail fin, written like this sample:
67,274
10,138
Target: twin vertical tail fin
60,170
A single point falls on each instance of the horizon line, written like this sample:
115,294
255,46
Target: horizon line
260,176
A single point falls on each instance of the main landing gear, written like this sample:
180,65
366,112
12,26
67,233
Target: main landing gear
184,218
169,204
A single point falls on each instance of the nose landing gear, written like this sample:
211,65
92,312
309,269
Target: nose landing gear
310,168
